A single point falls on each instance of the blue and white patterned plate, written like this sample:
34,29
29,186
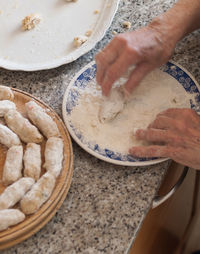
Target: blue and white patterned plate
80,82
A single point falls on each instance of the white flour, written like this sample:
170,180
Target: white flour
157,92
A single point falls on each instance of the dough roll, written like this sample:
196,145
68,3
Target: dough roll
12,169
54,155
10,217
39,194
32,161
14,193
8,137
22,127
42,120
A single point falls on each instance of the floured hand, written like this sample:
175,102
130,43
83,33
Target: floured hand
175,133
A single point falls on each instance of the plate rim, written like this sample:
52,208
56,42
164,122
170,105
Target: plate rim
99,156
9,65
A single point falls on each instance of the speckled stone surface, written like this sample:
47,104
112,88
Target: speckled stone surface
106,204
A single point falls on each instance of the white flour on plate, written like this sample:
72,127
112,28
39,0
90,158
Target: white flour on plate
157,92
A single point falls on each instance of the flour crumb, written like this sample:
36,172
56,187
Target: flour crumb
126,24
79,40
114,33
96,12
29,22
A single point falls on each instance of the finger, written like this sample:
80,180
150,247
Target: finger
103,61
171,112
117,69
160,136
150,151
137,75
182,113
106,57
167,123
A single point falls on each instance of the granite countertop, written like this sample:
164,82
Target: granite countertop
106,204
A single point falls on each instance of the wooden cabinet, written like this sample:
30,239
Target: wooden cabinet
164,226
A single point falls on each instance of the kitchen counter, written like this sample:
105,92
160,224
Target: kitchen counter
106,204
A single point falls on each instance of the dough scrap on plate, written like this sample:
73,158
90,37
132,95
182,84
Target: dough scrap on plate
30,21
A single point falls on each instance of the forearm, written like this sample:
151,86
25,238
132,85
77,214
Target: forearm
177,22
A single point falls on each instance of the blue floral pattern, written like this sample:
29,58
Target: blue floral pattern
89,74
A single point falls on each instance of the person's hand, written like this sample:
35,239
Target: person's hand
146,48
175,133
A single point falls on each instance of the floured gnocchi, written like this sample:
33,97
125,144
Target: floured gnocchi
12,169
27,132
10,217
6,93
5,106
39,194
42,120
8,137
32,161
13,193
54,155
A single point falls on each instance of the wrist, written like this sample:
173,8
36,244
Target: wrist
166,35
177,22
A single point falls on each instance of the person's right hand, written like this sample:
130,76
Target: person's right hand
146,48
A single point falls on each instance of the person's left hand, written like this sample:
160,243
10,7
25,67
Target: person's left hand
175,133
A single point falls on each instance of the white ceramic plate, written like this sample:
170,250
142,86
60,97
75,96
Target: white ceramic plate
80,82
50,43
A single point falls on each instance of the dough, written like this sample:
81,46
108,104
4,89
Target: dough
22,127
6,93
7,137
42,120
39,194
79,40
30,21
6,105
32,161
111,105
12,169
10,217
14,193
54,155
